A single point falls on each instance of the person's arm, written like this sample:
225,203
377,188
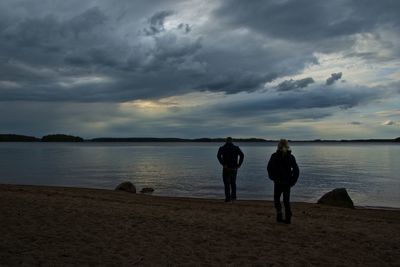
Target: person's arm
219,156
241,157
295,171
271,168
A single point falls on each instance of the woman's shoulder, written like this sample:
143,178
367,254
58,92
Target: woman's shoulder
274,155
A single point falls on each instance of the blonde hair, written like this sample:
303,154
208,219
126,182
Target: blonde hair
283,145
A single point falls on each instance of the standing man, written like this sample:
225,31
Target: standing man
228,157
283,170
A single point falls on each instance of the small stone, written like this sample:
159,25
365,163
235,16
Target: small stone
147,190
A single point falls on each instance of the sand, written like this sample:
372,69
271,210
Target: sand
53,226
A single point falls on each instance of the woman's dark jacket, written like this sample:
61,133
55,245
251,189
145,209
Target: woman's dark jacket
283,169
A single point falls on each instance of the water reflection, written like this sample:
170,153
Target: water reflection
369,172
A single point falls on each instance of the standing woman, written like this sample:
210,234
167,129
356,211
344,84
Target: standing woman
283,170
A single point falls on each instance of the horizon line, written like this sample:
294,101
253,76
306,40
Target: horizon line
201,139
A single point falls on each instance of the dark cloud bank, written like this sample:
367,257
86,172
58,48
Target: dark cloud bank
289,85
41,53
100,51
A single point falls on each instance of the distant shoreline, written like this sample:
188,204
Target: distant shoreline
70,138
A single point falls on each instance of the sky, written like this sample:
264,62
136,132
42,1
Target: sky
297,69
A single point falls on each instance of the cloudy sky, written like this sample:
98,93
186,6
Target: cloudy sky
300,69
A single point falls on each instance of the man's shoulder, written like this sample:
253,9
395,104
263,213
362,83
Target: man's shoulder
229,148
236,148
222,149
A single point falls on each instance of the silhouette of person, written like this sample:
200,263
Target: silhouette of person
283,170
228,155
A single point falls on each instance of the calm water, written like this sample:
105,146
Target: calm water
370,172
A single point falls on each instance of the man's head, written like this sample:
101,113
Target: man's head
283,145
229,140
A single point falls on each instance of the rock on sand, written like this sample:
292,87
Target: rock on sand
127,187
147,190
337,197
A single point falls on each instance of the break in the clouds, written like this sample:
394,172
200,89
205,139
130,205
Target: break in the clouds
200,68
388,123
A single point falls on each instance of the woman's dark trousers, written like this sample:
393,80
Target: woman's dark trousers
280,189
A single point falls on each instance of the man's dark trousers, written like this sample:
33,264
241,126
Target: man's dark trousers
229,177
280,189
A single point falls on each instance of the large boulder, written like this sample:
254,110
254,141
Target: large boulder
127,187
337,197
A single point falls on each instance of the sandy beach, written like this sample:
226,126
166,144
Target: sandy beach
54,226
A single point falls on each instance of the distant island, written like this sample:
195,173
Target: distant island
71,138
17,138
46,138
61,138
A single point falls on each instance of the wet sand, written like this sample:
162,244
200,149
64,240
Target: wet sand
54,226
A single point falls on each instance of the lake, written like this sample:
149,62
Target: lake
369,171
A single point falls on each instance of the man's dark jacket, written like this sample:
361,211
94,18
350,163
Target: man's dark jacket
228,156
283,169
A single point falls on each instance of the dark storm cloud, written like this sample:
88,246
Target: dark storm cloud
44,46
40,55
91,55
234,83
318,97
51,50
334,77
310,21
289,85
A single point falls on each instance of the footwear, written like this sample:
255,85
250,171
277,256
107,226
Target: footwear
288,220
279,218
227,200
